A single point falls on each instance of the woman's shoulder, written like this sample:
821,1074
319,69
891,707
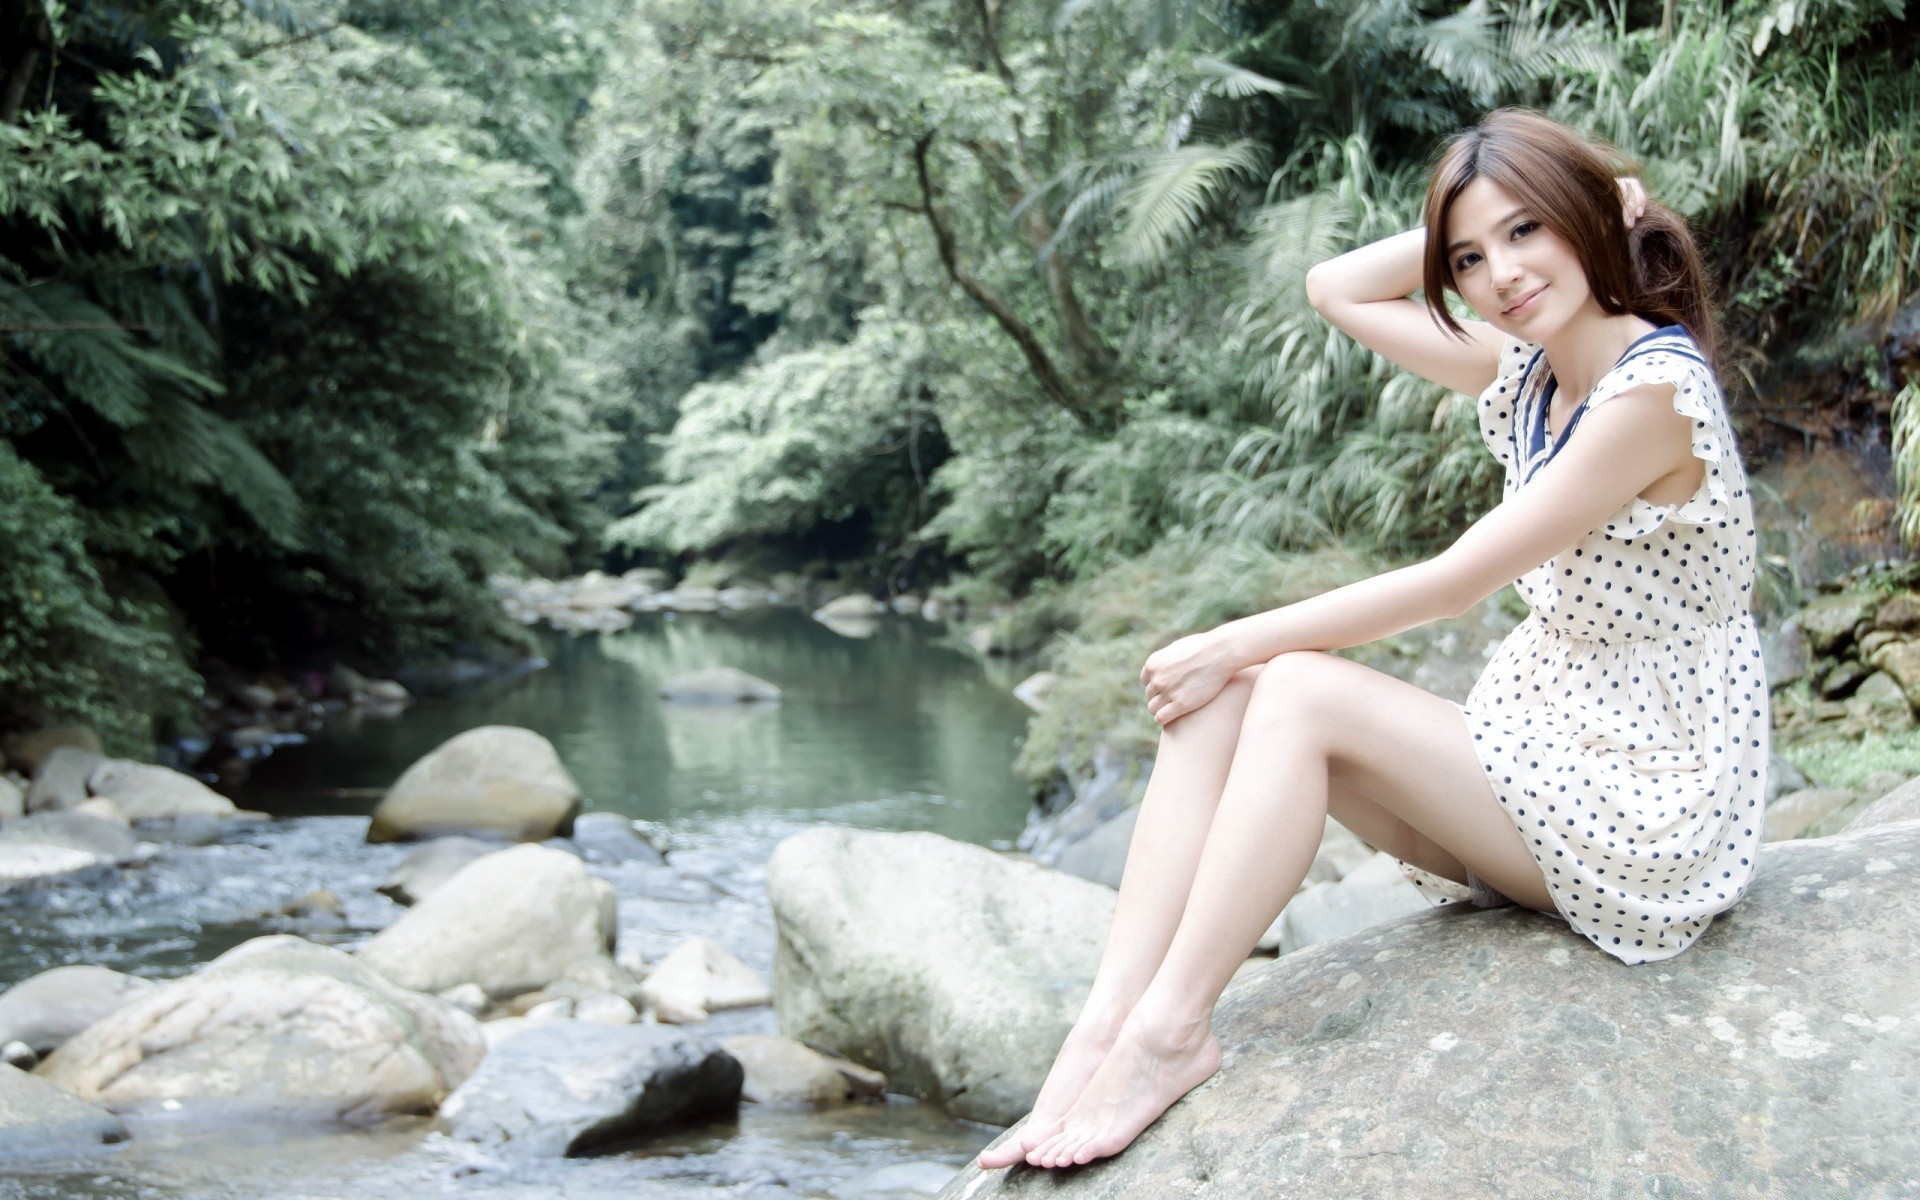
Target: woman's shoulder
1668,355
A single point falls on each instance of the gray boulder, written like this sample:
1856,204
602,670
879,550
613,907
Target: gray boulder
740,598
699,977
1831,621
1371,893
853,606
1494,1053
276,1028
1783,777
1795,814
496,779
781,1071
13,799
432,865
30,862
691,600
1901,804
61,780
1118,782
30,751
1785,652
611,838
105,839
387,691
718,685
511,922
953,969
1101,855
151,793
37,1118
47,1009
568,1088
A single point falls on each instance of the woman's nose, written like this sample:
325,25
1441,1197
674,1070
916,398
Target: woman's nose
1504,269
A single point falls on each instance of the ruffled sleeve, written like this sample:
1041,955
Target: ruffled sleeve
1500,403
1676,361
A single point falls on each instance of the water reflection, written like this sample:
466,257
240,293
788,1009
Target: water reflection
899,730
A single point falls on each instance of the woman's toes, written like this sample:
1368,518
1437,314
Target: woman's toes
1047,1152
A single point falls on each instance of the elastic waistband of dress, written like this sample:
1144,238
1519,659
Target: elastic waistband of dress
1702,628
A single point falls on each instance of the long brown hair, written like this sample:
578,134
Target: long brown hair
1567,183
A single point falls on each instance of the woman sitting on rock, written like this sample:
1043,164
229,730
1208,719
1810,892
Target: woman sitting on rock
1606,769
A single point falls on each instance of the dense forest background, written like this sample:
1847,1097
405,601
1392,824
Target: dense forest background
313,314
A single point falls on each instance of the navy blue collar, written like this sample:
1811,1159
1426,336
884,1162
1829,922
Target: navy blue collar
1537,431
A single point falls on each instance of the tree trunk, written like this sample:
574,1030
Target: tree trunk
30,35
1045,372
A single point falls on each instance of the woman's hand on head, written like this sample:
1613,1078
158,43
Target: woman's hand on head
1633,199
1185,675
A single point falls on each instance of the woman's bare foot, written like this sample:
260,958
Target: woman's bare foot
1080,1055
1147,1069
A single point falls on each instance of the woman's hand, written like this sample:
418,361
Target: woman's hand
1185,675
1633,199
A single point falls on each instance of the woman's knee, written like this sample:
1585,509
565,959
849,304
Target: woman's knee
1224,712
1297,688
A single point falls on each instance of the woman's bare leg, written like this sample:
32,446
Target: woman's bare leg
1176,813
1188,773
1309,719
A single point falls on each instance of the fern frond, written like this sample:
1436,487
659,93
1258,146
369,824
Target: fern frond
1235,82
1170,196
83,347
187,442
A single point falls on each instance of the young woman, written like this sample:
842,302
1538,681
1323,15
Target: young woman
1607,769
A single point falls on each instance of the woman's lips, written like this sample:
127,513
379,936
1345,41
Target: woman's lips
1526,302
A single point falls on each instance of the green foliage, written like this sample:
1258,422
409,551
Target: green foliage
71,649
313,313
802,439
286,335
1847,762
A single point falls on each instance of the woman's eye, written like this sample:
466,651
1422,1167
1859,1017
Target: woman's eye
1465,261
1524,228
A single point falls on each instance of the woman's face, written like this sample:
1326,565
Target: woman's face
1521,277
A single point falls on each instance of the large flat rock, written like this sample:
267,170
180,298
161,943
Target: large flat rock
955,970
1463,1052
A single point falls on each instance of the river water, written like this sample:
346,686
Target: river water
902,730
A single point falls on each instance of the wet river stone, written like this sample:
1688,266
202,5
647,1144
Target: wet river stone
60,781
30,751
432,865
38,1118
955,970
568,1088
51,1007
719,685
1495,1053
150,793
497,779
510,922
276,1028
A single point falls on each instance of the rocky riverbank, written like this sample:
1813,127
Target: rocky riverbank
424,1019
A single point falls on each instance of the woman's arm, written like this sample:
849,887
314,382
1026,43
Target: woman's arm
1364,293
1618,451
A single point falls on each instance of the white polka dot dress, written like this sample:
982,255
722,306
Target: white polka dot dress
1624,723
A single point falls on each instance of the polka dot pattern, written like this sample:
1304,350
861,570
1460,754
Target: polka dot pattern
1624,724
